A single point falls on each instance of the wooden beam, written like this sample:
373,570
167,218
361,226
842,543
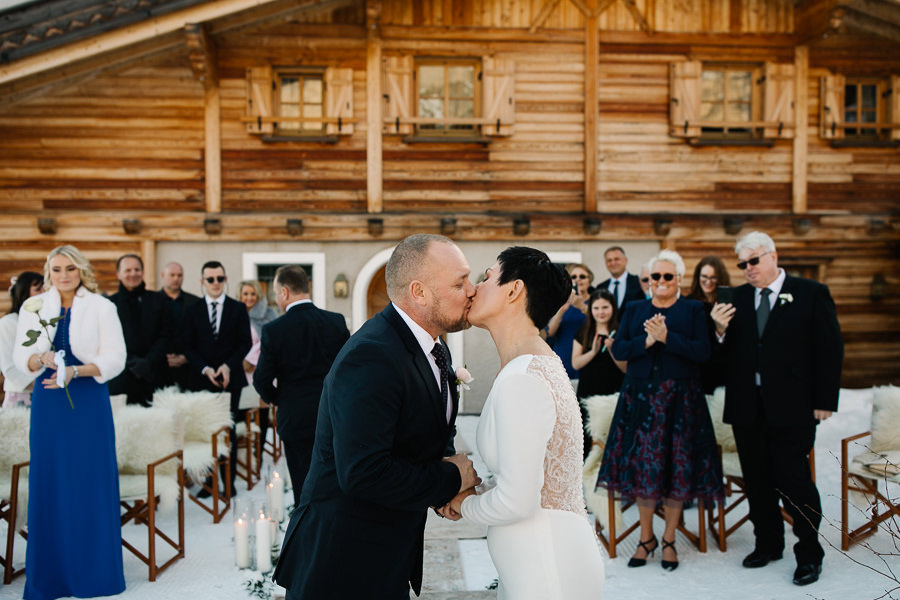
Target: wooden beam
212,149
844,19
801,128
591,104
201,54
374,174
148,255
544,14
638,17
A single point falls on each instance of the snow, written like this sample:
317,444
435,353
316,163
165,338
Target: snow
457,559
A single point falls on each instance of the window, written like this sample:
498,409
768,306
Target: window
859,111
300,102
727,101
863,103
446,89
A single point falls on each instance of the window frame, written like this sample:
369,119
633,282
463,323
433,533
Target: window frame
882,110
472,130
278,76
738,131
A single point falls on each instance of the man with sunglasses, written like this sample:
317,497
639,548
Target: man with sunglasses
216,338
784,352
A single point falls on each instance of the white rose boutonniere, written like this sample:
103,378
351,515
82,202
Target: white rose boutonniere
785,298
463,378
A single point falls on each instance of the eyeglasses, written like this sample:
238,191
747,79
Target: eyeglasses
750,261
645,279
710,279
658,276
579,276
217,279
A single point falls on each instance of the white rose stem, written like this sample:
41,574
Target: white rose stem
263,544
241,543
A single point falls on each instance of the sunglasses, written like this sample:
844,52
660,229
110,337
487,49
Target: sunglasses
645,279
580,276
217,279
750,261
712,279
658,276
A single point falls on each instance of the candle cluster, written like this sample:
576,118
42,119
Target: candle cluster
256,528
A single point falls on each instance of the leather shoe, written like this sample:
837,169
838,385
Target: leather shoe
760,558
807,573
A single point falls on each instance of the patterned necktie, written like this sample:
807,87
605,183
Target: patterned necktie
615,292
762,311
440,359
213,320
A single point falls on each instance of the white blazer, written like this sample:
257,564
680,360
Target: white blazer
95,333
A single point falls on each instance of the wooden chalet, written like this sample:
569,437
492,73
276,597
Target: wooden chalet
322,131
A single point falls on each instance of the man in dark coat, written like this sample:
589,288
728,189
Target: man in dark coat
296,352
385,416
146,327
176,301
622,284
784,353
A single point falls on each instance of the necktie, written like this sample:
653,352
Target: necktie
616,293
440,359
762,311
213,321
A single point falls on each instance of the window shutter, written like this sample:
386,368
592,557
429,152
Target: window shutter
778,100
339,100
498,92
895,107
398,88
831,107
684,104
259,99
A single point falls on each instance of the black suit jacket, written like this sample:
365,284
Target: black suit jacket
377,466
633,289
298,350
202,350
146,327
799,357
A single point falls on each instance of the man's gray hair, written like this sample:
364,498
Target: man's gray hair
669,256
755,239
407,261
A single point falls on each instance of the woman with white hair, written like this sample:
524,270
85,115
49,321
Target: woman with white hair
661,446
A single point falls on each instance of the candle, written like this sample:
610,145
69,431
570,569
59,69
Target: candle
241,544
263,544
277,484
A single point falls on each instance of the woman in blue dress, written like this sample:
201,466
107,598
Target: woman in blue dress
564,325
74,533
661,446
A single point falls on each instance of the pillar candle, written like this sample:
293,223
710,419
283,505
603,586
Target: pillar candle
277,497
263,544
241,544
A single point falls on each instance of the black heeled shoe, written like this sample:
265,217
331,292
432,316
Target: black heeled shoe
669,565
640,562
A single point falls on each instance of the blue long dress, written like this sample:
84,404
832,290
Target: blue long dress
74,533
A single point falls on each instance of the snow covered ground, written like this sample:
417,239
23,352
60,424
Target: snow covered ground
458,565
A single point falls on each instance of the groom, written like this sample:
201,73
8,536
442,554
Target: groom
385,417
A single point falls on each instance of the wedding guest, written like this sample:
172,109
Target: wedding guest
147,328
177,300
661,445
74,533
16,384
260,313
645,280
563,325
710,274
623,285
598,372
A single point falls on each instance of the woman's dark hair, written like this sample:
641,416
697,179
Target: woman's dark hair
21,289
547,285
722,277
586,334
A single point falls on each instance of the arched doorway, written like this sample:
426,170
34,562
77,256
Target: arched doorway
376,295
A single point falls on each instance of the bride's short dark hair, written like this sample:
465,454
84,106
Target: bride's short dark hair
547,285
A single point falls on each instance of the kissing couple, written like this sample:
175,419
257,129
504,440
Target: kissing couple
383,452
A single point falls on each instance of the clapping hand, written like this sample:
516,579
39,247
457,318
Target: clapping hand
656,329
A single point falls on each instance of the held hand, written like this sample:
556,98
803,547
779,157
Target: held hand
223,374
466,471
456,503
721,315
448,513
211,375
176,360
47,360
821,415
50,382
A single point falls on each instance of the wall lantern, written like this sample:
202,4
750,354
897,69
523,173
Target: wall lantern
295,227
131,226
801,226
47,225
878,288
733,225
521,225
212,226
376,227
592,225
341,286
662,227
448,226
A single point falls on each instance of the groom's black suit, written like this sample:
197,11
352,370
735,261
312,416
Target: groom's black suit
798,358
377,466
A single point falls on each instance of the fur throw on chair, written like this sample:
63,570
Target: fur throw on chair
886,418
15,427
143,436
600,411
200,415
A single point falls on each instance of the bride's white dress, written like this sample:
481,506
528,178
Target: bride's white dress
529,436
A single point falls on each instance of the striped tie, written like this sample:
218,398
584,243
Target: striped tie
213,321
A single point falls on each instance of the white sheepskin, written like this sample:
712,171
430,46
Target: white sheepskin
15,426
600,411
886,419
143,436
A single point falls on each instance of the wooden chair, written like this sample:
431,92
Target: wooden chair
608,515
151,479
204,425
733,478
15,425
879,462
249,454
273,447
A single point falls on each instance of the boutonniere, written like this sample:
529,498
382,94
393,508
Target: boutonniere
785,298
463,378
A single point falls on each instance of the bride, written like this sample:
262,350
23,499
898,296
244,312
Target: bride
530,438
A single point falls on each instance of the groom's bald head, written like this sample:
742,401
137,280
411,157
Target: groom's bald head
409,261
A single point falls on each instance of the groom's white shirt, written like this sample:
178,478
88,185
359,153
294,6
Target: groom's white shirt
426,342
